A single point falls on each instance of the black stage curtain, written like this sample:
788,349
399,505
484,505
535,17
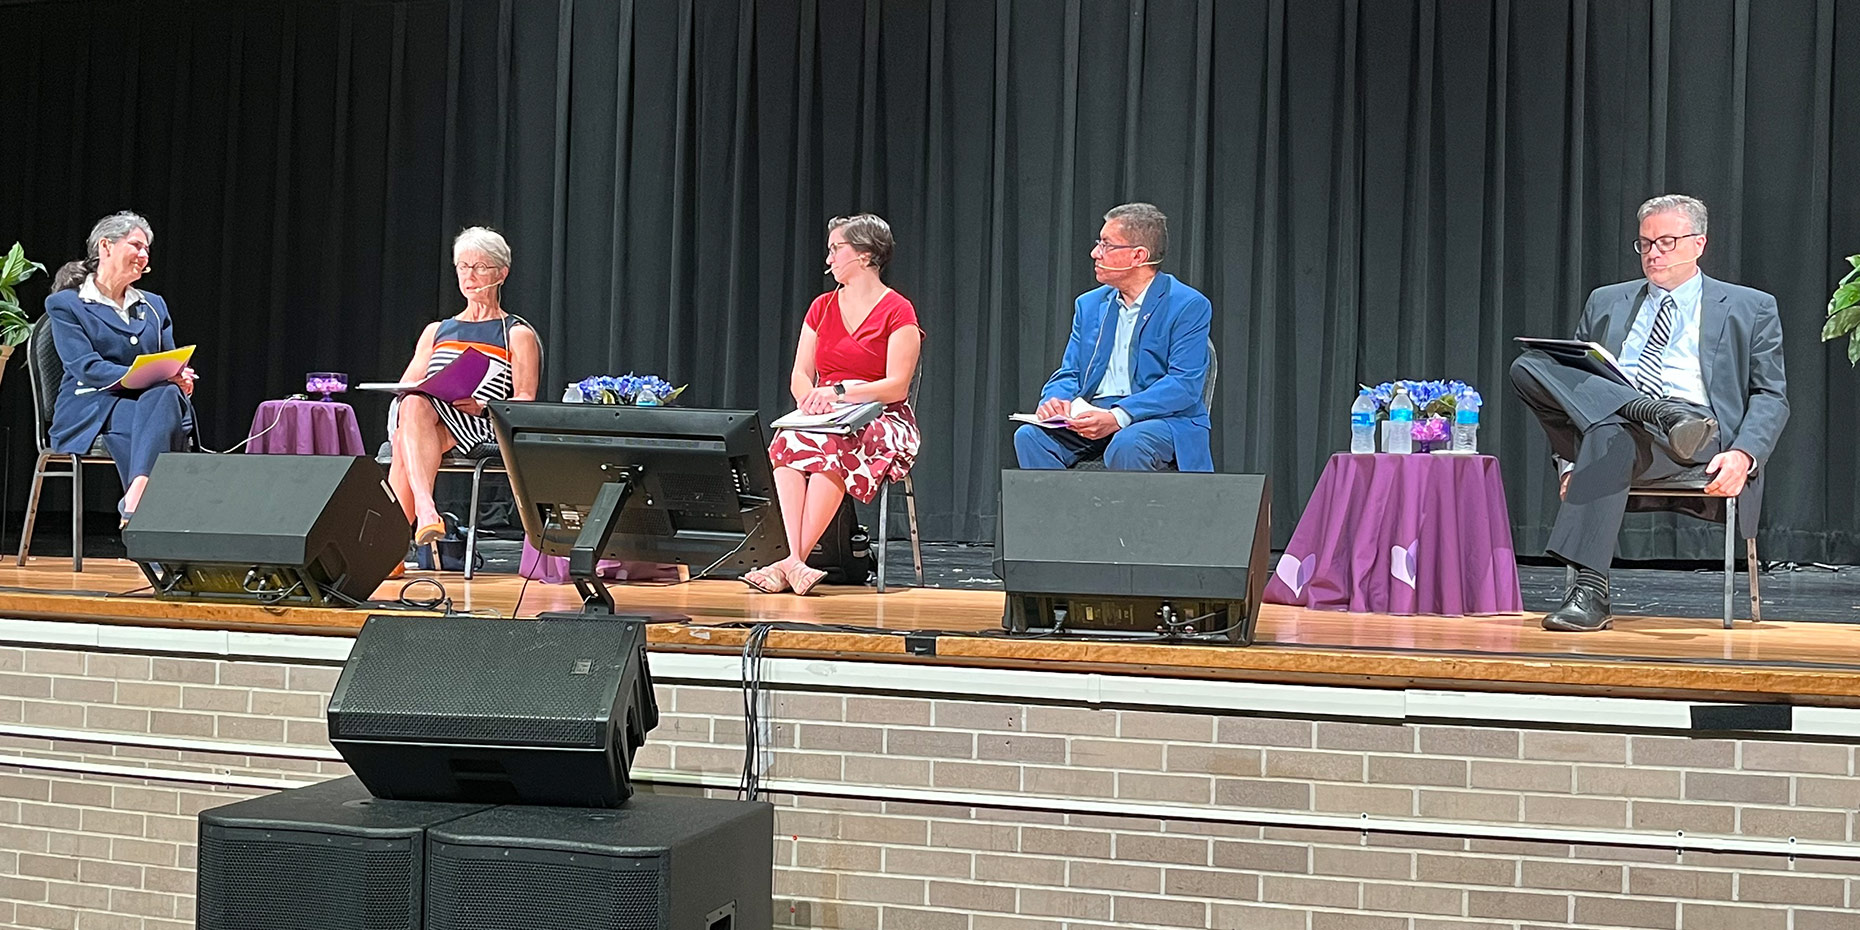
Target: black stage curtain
1366,189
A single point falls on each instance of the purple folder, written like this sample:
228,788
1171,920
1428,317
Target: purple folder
458,380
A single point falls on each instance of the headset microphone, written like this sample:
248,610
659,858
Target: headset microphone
1134,267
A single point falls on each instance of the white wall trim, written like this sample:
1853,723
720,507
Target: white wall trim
1678,841
1086,689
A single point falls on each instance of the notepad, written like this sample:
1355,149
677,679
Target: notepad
843,418
460,378
149,370
1079,406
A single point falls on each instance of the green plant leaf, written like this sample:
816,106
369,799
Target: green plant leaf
1841,322
1854,260
1853,350
16,267
1846,295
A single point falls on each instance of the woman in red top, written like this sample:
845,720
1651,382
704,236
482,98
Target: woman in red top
859,344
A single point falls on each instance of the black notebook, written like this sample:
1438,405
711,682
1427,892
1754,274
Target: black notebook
1588,356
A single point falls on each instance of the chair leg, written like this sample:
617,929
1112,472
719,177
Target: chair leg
917,549
32,507
1750,560
884,531
77,514
471,530
1730,560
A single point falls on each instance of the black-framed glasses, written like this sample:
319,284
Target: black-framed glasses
480,268
1664,243
1100,245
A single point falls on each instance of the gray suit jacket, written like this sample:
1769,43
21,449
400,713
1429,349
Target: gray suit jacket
1741,357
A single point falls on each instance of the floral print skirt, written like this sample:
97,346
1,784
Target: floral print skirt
865,460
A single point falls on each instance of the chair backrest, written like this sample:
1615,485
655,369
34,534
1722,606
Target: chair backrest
46,371
1214,370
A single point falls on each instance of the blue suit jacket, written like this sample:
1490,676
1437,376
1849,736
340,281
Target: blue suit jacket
95,345
1169,363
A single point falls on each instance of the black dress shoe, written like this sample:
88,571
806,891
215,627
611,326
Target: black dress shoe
1584,610
1686,432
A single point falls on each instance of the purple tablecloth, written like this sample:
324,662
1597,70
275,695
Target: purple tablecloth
305,427
551,569
1403,534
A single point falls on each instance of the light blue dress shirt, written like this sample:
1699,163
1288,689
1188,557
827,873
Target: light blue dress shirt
1116,381
1684,378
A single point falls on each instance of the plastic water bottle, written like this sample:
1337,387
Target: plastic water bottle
1466,424
1398,432
1363,423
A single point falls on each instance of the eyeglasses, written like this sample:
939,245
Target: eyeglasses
833,247
480,268
1664,243
1100,245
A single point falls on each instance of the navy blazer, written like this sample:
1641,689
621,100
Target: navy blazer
1741,359
97,347
1169,362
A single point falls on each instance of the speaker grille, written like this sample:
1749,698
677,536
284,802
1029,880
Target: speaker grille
489,682
304,881
486,729
545,893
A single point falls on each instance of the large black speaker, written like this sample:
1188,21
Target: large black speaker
318,530
1146,555
495,711
326,857
658,863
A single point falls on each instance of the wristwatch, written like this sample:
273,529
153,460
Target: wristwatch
840,389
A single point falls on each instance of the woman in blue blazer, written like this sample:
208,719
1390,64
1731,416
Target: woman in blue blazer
100,323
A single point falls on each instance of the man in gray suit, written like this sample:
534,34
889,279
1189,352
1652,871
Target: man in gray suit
1704,363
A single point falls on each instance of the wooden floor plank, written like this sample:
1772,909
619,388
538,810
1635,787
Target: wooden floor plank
1774,660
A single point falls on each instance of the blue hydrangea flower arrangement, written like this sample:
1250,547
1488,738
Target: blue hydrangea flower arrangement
629,390
1431,398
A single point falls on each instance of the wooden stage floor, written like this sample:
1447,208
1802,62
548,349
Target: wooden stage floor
1777,660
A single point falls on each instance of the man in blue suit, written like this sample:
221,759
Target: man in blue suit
1131,381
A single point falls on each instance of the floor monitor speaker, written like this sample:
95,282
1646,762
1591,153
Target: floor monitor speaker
1178,557
307,530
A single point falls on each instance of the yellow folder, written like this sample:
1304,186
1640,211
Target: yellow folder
149,370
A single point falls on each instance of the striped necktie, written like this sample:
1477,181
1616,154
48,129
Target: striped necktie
1650,372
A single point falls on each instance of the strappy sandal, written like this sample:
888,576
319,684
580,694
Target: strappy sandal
768,580
803,578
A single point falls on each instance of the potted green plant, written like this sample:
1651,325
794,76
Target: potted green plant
1844,312
15,326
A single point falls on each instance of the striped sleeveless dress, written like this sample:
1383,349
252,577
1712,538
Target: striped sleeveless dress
492,337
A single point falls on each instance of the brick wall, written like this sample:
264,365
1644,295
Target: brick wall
87,851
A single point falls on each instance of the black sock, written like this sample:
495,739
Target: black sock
1592,579
1643,410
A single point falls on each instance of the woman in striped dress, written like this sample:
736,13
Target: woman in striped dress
423,429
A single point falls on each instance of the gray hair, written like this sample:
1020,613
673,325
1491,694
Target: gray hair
114,227
1145,225
482,239
1692,207
868,234
109,229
